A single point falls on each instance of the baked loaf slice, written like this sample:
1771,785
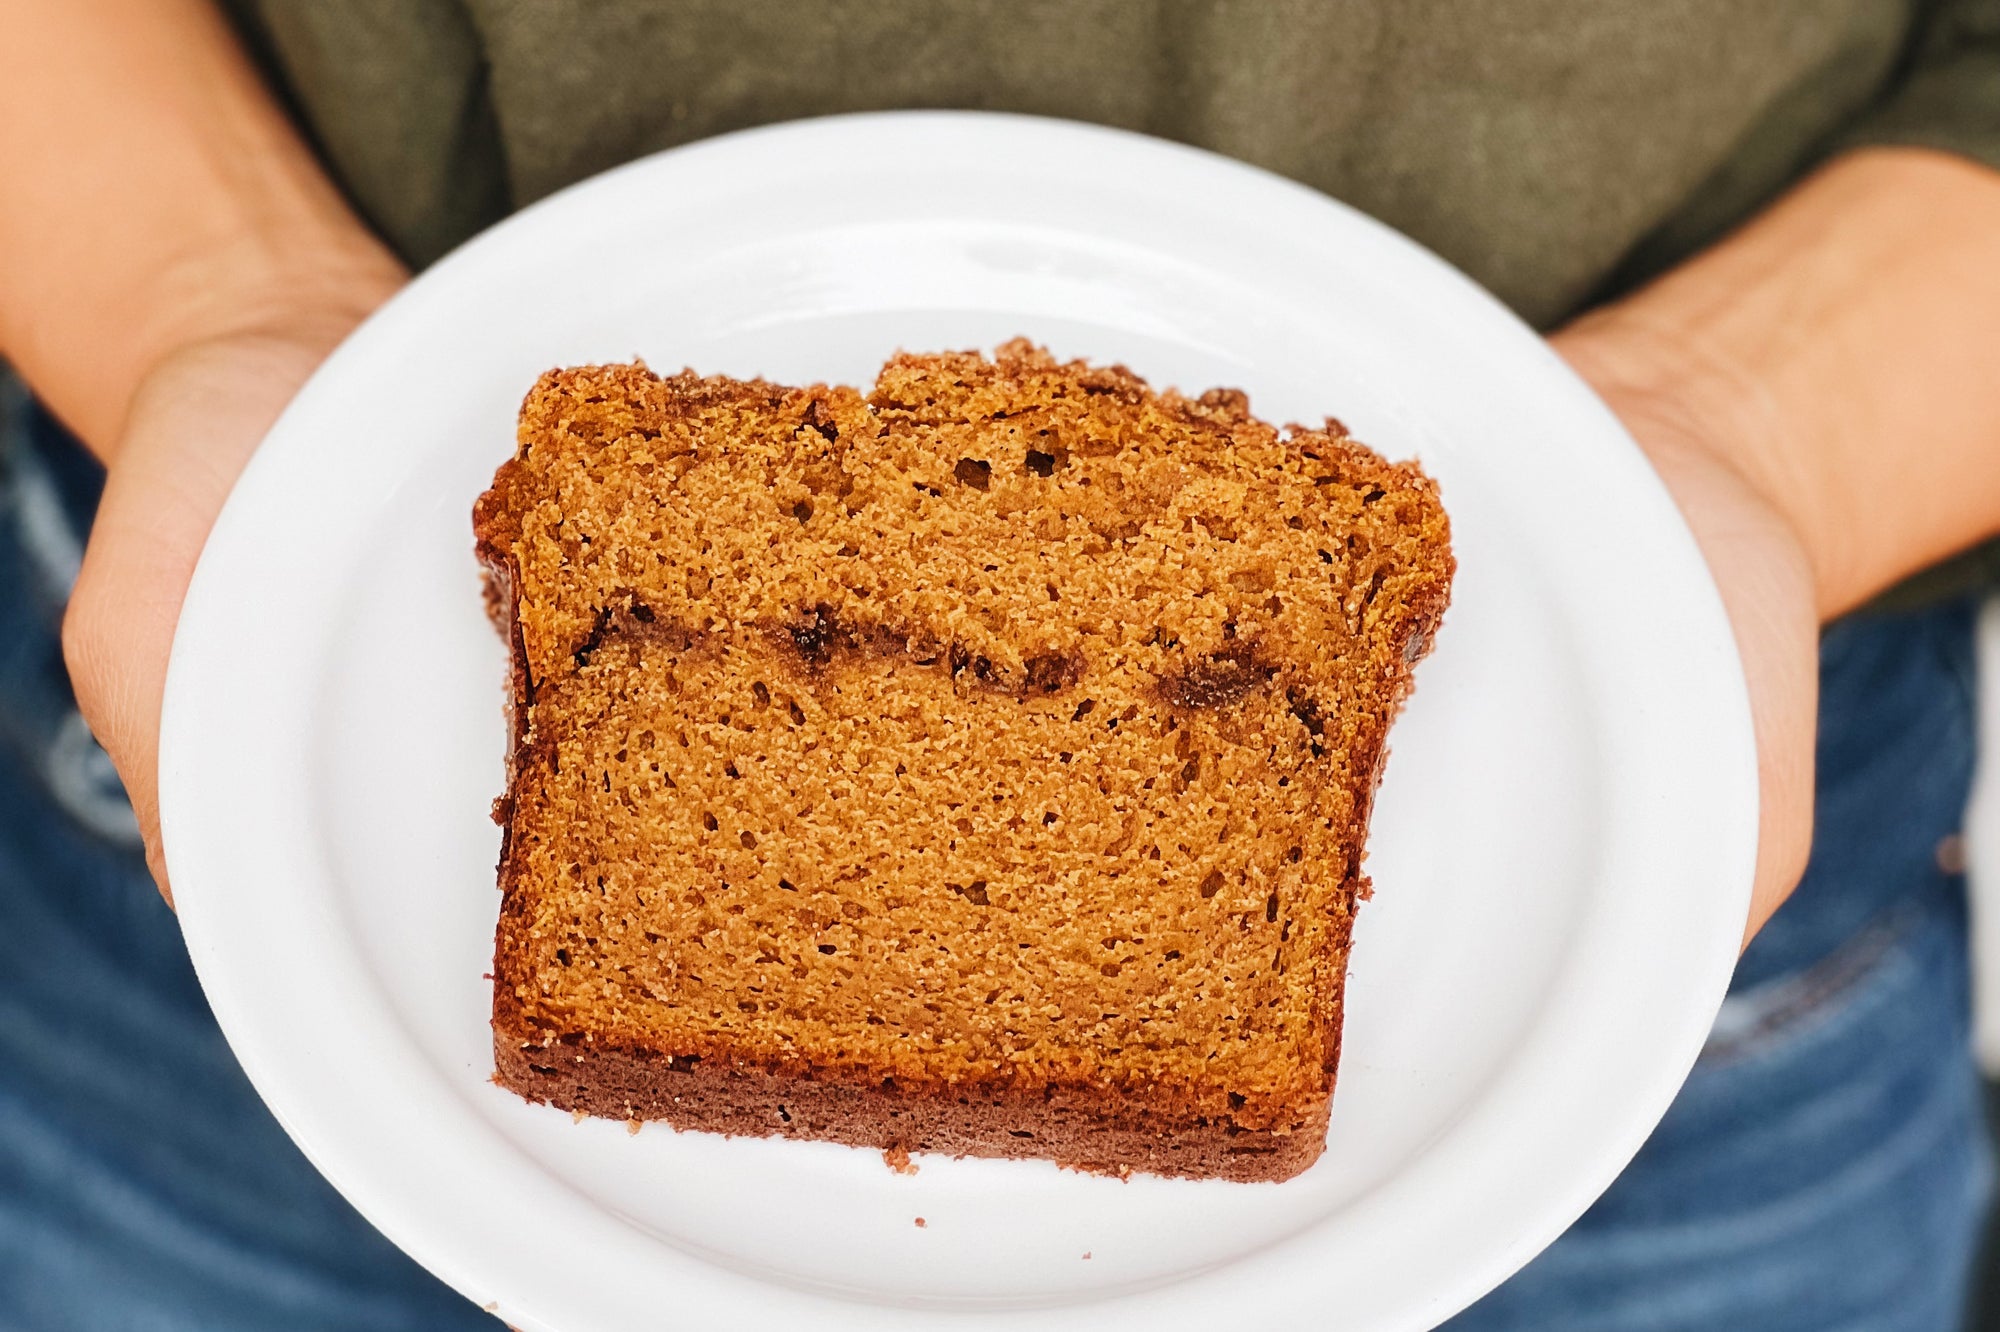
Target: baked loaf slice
979,765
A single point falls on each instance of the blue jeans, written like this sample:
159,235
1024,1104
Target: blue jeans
143,1186
1825,1167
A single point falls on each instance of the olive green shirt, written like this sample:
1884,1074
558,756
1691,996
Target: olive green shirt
1551,148
1556,150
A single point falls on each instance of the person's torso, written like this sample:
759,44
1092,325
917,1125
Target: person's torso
1548,147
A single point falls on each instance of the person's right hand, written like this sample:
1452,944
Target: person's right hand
195,419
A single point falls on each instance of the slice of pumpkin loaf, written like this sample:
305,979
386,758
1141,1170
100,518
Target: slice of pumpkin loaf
980,765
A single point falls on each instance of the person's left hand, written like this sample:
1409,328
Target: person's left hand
1688,422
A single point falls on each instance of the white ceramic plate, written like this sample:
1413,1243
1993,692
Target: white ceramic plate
1562,850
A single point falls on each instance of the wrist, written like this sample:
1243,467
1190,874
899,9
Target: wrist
308,280
309,288
1685,400
1835,353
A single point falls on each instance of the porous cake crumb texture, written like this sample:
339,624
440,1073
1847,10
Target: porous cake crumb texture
982,764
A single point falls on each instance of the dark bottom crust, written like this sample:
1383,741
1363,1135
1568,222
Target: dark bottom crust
1086,1130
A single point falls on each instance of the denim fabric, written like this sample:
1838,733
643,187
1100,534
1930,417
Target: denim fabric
1825,1167
143,1186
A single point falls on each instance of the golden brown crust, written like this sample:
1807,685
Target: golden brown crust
1004,739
